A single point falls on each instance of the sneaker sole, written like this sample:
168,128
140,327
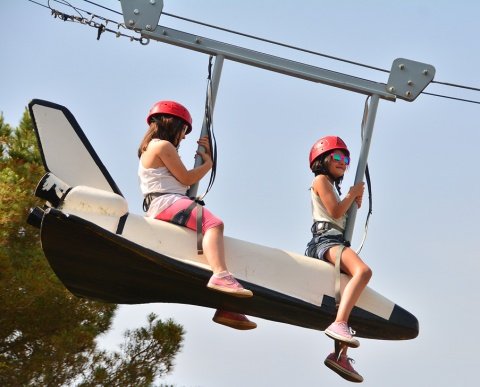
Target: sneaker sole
347,375
240,325
352,343
245,293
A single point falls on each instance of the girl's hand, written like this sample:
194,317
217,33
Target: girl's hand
358,200
207,154
357,192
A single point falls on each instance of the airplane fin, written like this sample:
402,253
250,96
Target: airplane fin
66,151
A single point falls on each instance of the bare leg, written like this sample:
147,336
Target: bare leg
221,280
353,265
214,249
361,274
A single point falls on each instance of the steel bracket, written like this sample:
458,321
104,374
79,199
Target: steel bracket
142,14
409,78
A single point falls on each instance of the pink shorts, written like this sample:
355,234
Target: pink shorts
209,220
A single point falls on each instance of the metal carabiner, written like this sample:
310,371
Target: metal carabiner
90,22
144,41
118,33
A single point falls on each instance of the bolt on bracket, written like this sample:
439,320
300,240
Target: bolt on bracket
409,78
142,14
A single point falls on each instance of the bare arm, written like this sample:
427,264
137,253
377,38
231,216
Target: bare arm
336,209
163,153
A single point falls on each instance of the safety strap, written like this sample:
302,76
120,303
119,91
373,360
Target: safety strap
199,229
208,126
121,224
369,182
338,274
319,227
182,216
147,200
339,346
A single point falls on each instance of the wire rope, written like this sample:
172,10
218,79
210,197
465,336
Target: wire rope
273,42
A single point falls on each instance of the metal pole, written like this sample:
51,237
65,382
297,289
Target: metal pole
217,71
362,162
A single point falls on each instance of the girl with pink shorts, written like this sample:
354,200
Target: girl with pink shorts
164,181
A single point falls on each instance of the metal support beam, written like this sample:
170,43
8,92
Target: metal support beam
407,78
217,71
362,162
268,62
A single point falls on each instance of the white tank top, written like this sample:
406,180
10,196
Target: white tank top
319,212
162,181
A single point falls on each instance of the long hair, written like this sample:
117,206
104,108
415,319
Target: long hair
320,167
164,127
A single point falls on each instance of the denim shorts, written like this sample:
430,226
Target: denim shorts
320,243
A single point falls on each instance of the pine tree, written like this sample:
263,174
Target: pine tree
47,335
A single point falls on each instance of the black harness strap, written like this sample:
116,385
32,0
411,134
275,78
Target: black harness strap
121,224
147,200
182,216
199,228
369,182
318,227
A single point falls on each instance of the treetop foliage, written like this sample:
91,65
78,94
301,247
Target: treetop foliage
47,335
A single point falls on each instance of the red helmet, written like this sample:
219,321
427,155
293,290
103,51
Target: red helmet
173,108
326,144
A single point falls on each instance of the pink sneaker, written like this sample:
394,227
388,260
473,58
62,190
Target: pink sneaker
230,285
342,332
233,320
343,367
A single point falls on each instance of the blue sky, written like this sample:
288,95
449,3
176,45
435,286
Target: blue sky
423,160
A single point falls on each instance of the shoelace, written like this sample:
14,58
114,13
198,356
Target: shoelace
229,279
349,359
233,282
349,329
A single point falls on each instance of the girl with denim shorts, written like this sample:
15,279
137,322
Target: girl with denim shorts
164,181
329,159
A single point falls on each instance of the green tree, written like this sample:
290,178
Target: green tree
47,335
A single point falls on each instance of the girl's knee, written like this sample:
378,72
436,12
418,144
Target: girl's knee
215,228
220,226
